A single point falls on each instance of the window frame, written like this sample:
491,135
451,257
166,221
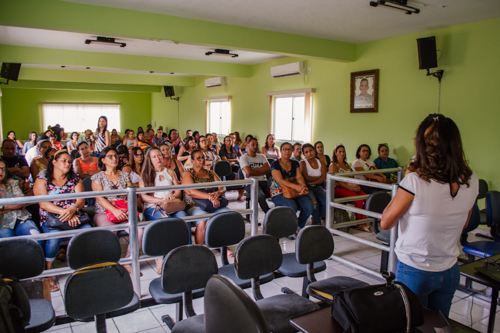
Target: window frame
209,100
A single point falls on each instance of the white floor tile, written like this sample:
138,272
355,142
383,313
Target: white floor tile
65,328
136,322
155,330
465,307
90,327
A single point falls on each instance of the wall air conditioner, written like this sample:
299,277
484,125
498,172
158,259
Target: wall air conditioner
292,69
216,82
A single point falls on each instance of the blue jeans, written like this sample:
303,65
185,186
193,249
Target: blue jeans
153,214
193,211
304,204
318,194
25,228
52,245
435,289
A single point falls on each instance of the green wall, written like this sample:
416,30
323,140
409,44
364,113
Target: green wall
21,110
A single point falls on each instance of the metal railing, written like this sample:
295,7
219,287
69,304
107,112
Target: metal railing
338,204
131,192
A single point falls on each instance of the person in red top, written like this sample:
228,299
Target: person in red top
53,141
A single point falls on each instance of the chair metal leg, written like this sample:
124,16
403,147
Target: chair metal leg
305,283
178,309
468,282
100,323
248,207
168,321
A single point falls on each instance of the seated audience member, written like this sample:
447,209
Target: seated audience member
244,144
198,174
227,153
63,135
211,144
16,165
188,134
89,138
150,134
269,150
140,142
110,178
59,178
34,151
140,130
210,155
85,165
73,143
286,173
114,136
148,127
129,139
237,138
123,156
363,163
42,162
319,149
186,150
344,189
383,161
19,146
175,141
55,144
102,138
56,130
170,163
314,173
134,167
48,132
30,143
216,140
196,136
159,139
297,152
236,146
15,220
255,165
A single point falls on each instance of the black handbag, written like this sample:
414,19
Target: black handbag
207,205
383,308
53,221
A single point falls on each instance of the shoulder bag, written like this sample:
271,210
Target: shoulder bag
121,205
289,192
53,221
206,204
171,206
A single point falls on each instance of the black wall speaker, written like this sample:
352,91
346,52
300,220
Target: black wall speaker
10,71
427,53
169,91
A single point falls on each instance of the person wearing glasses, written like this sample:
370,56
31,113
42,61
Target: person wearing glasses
383,161
210,154
363,163
199,174
134,166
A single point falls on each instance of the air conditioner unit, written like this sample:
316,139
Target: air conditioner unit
216,82
292,69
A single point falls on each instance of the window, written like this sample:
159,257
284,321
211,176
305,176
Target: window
80,117
291,115
218,118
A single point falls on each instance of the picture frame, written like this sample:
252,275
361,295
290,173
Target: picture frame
364,91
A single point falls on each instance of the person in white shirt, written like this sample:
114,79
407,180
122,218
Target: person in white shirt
433,205
363,163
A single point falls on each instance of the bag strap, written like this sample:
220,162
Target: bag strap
95,266
389,277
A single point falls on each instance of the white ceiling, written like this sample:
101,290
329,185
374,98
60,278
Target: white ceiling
351,21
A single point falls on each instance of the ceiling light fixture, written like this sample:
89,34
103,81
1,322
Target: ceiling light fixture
105,41
396,4
221,52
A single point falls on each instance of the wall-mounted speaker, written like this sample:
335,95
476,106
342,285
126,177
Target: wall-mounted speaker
427,53
169,91
10,71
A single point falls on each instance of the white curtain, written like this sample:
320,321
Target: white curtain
80,117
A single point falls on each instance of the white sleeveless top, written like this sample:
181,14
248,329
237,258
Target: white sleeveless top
161,194
271,153
313,172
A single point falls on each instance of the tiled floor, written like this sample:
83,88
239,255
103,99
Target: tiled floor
467,308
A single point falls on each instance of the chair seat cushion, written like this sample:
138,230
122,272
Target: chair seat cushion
162,297
230,272
278,310
482,218
290,266
325,289
42,316
134,304
482,249
194,324
384,236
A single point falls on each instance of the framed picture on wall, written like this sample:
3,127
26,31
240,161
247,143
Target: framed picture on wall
364,91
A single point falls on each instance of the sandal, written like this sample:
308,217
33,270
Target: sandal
53,286
241,198
363,227
159,264
128,267
230,254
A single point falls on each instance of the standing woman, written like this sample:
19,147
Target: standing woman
73,143
134,168
110,178
286,173
102,138
314,172
173,137
41,162
19,146
85,165
319,148
168,162
186,150
363,163
129,139
198,174
30,144
59,179
383,161
269,150
433,205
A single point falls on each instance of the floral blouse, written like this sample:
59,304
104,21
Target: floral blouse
67,188
107,185
9,219
275,188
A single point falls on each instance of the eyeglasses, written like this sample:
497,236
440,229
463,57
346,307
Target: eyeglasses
364,151
3,169
112,157
286,149
203,140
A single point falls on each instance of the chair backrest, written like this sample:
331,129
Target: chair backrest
224,229
313,243
256,256
163,235
229,309
240,174
377,202
93,246
87,184
222,169
74,154
280,222
187,268
493,212
474,220
21,258
483,189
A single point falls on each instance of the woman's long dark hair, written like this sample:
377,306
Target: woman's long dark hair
102,155
98,130
231,151
439,152
5,179
267,138
334,157
29,137
188,139
316,150
70,175
148,173
131,160
359,150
